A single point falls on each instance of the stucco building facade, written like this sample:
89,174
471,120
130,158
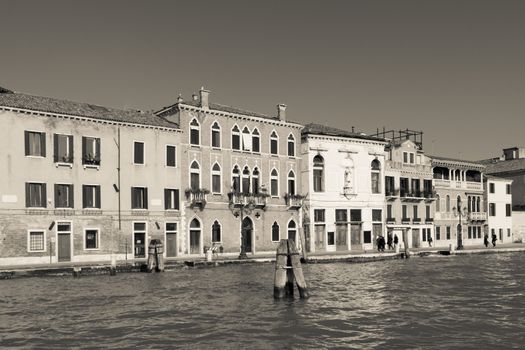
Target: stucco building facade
498,199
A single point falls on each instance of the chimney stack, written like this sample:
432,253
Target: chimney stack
204,95
194,97
281,112
180,99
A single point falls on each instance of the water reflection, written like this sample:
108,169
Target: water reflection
428,303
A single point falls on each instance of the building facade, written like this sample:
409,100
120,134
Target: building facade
241,177
342,174
82,182
498,199
460,212
409,194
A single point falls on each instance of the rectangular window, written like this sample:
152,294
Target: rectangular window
389,211
91,196
377,215
171,199
389,185
274,187
355,215
375,183
256,144
273,146
90,150
508,189
275,233
405,157
403,186
246,142
331,238
438,233
427,212
215,138
291,148
91,238
508,232
491,188
138,152
194,136
469,232
170,156
412,158
216,183
501,234
404,209
319,215
36,196
63,148
367,237
341,215
492,209
139,198
36,241
64,196
236,141
448,232
415,211
35,143
508,209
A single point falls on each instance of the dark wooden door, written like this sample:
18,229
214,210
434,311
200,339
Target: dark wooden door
416,241
171,245
140,245
195,242
355,236
247,232
64,247
319,237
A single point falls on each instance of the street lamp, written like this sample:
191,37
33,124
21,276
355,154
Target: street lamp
460,212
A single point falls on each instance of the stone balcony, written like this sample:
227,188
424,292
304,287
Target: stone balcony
478,216
197,197
239,199
463,185
293,201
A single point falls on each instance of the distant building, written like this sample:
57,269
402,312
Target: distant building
499,206
233,159
343,176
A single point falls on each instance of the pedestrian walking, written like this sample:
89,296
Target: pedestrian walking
486,240
494,239
396,240
389,241
429,241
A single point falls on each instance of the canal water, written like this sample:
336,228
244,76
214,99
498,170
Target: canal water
467,302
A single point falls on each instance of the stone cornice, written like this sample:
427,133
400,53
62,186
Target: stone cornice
346,139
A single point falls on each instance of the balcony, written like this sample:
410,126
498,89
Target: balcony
391,193
429,220
474,186
405,220
90,162
390,220
463,185
478,216
411,196
197,197
293,201
416,220
429,195
239,199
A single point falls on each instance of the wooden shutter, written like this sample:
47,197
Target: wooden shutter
176,204
145,198
71,195
43,143
26,141
55,147
97,151
84,196
70,155
166,199
44,195
27,195
84,140
133,198
97,197
56,196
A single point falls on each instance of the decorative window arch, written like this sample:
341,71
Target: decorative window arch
275,232
195,236
291,182
246,139
216,135
255,180
236,138
216,183
292,230
291,145
274,183
195,132
195,175
216,232
256,141
318,173
376,176
236,179
447,204
245,180
274,143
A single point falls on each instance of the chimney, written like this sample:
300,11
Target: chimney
204,95
281,112
194,97
180,99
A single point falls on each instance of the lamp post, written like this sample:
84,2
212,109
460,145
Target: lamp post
460,213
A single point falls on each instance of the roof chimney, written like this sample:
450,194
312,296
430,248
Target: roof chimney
194,97
179,98
204,95
281,112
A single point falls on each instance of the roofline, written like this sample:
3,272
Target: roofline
91,119
378,141
464,163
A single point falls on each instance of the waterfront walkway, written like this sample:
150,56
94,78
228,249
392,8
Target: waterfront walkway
103,267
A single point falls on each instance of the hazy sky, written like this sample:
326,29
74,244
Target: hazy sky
454,69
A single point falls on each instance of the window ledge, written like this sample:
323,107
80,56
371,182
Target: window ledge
35,157
91,166
70,165
92,249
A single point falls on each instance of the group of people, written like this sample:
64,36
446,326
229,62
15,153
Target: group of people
391,241
486,239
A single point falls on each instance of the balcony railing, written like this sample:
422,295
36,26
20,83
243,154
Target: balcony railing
390,220
414,195
429,220
293,200
197,197
390,192
416,220
88,160
405,220
469,185
478,216
238,199
429,195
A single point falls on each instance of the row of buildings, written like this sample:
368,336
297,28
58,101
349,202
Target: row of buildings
82,182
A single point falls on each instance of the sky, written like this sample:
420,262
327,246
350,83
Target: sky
453,69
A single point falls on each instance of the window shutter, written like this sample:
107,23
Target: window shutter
97,151
27,195
83,150
70,155
133,200
97,197
43,143
166,198
84,196
71,196
55,147
176,204
44,195
145,198
26,141
56,195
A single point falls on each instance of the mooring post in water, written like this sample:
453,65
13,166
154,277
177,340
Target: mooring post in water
155,258
159,253
288,270
113,267
77,271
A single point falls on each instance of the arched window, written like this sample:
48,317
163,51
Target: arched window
438,203
275,232
469,202
447,204
236,179
376,175
255,180
236,138
291,182
246,139
478,206
215,232
256,141
274,143
318,173
195,236
216,135
195,176
216,178
246,180
274,183
195,130
292,230
291,146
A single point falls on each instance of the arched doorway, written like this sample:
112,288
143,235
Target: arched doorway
246,234
292,231
195,236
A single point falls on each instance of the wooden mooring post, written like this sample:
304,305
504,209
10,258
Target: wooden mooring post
155,257
287,271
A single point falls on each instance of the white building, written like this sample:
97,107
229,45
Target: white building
342,175
499,206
